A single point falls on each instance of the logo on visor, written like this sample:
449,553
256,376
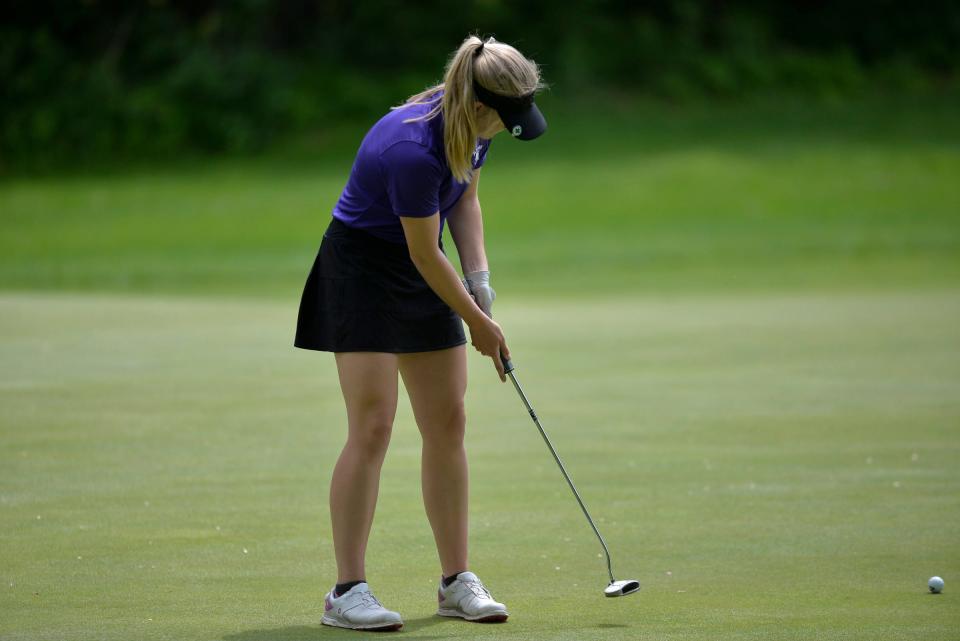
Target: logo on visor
516,131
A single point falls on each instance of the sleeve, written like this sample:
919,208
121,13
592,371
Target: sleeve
412,177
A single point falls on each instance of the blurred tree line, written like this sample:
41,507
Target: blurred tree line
97,79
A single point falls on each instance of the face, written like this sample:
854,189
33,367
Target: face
488,121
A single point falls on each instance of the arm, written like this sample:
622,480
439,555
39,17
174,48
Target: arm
466,227
485,334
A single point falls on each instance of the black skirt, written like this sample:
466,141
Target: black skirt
364,294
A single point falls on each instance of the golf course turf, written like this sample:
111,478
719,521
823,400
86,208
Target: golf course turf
745,348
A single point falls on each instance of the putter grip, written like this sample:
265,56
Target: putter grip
507,364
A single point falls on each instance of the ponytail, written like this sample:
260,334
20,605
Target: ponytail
459,114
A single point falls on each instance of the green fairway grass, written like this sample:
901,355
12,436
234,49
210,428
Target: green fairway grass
768,466
740,325
757,198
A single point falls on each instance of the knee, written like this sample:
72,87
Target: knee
447,429
371,436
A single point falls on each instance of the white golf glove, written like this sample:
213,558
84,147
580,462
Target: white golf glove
478,284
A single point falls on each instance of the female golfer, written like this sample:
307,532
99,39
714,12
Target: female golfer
384,298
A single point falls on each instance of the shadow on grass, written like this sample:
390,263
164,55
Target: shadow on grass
411,627
318,632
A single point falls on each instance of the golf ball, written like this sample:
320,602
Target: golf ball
935,584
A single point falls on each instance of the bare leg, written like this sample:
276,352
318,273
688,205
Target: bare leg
436,383
369,384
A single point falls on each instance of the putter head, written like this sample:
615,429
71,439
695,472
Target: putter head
622,588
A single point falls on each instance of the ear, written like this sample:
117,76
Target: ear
485,112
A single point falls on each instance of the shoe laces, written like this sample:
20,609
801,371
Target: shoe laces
370,601
478,589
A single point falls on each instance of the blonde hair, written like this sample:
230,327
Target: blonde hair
499,68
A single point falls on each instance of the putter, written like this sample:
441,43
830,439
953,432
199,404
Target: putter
616,588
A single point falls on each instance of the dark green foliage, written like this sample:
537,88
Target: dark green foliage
83,81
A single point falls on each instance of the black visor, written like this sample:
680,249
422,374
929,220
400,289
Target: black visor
520,114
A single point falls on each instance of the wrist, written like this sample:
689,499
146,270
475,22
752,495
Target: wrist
475,318
477,275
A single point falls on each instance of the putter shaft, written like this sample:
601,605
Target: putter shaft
508,368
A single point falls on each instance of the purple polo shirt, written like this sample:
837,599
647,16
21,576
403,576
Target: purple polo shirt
401,170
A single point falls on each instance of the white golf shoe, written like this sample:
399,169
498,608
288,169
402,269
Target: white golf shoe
468,599
358,609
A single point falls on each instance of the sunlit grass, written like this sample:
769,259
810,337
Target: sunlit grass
776,467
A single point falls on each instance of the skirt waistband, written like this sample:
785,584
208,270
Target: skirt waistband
337,229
